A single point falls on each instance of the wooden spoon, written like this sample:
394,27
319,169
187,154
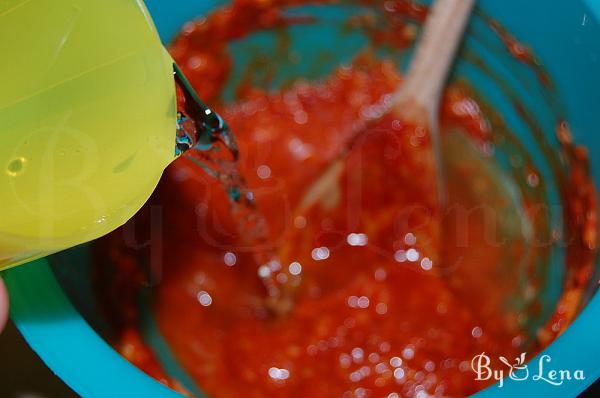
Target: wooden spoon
418,97
416,101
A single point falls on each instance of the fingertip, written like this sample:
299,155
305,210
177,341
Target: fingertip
3,305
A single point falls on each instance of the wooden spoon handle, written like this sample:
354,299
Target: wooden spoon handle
433,58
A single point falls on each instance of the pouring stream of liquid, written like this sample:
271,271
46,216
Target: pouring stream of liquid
207,141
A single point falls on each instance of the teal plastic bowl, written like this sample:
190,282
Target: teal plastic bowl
50,307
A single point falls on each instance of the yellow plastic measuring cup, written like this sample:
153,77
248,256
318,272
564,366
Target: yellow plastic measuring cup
87,121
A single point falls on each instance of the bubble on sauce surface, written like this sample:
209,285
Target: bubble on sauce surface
400,256
320,253
300,222
295,268
279,373
357,239
263,172
426,264
381,308
410,238
230,259
412,255
204,299
408,352
399,373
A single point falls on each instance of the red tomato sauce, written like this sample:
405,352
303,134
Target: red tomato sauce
389,295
